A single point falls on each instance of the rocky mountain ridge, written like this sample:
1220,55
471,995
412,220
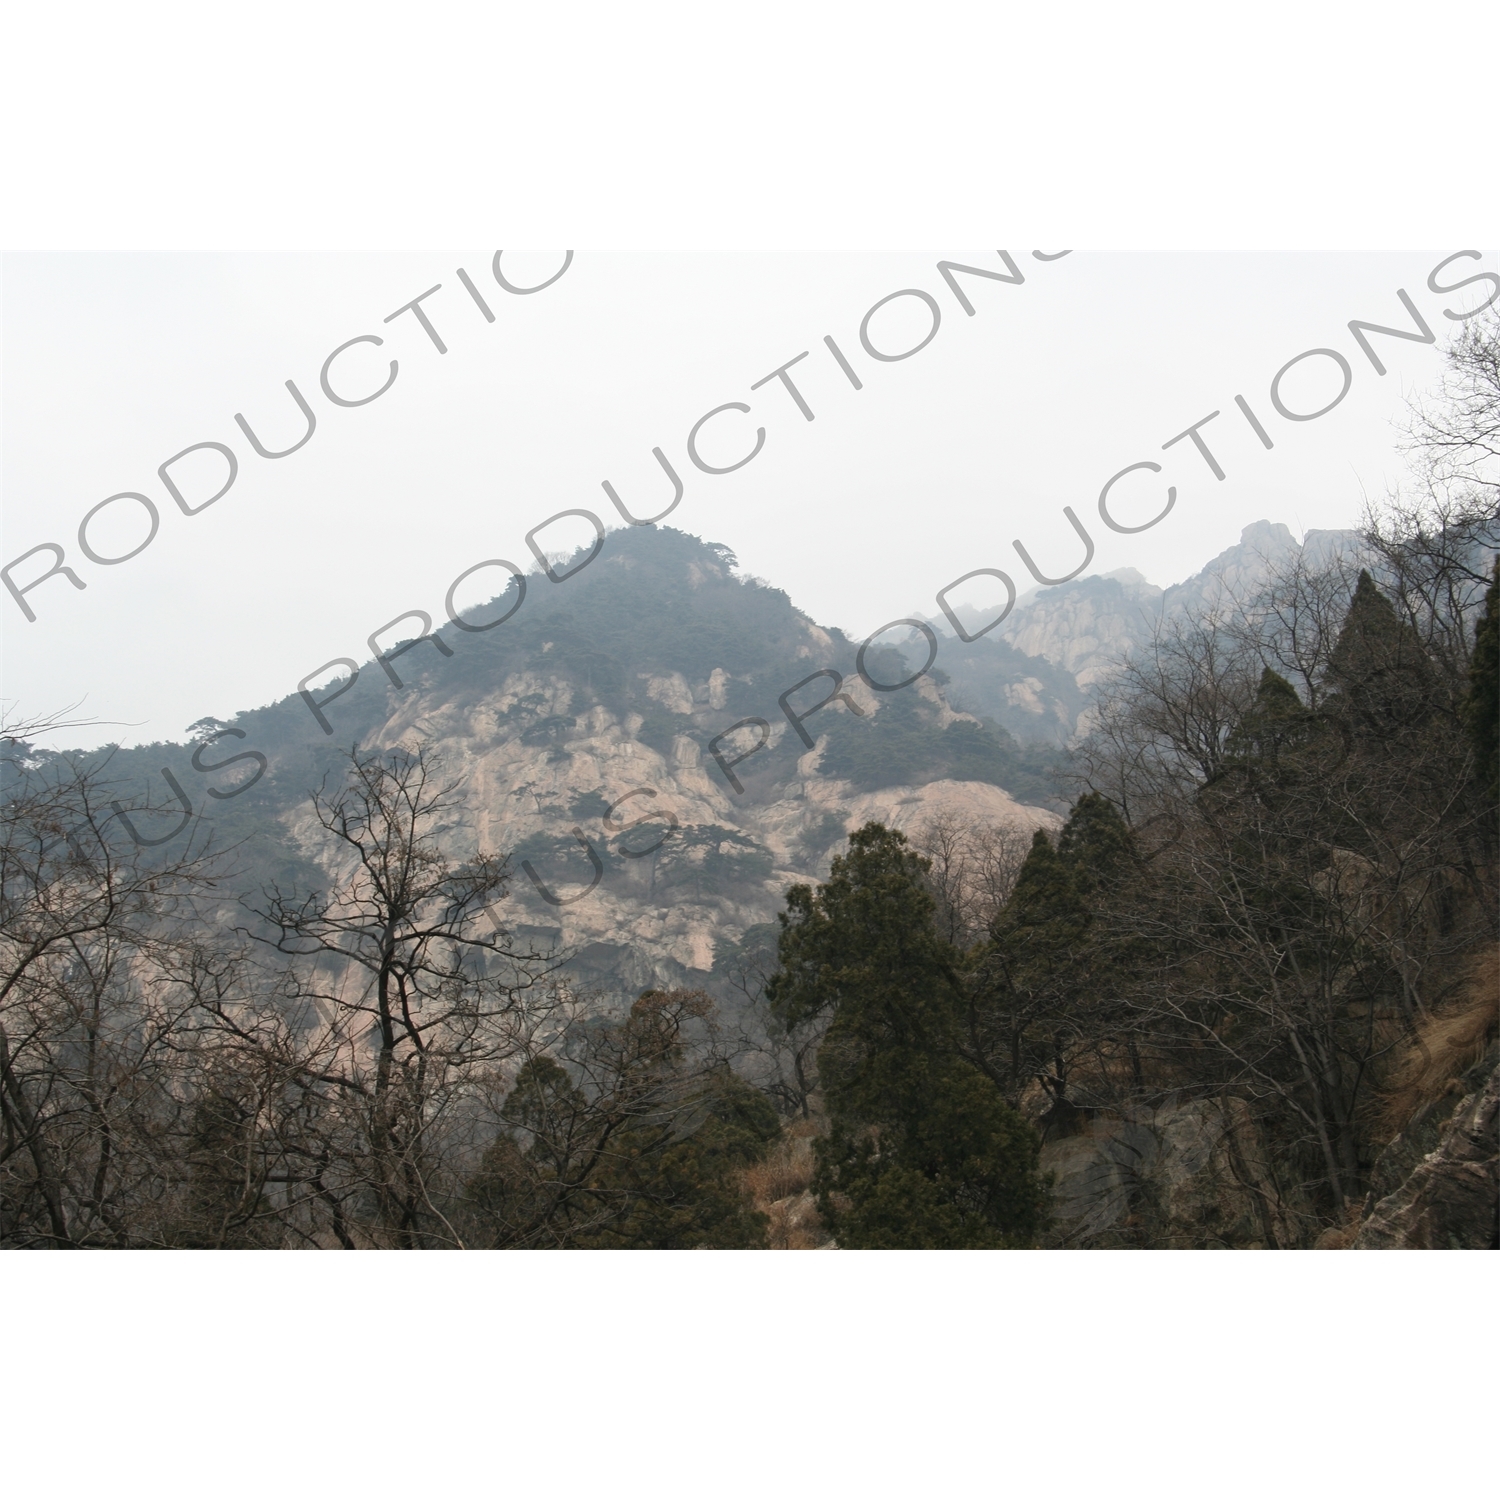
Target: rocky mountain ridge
1082,629
595,738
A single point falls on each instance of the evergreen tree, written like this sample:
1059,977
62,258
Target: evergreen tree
1044,985
686,1193
1284,764
1096,841
1277,726
649,1156
1379,669
922,1151
530,1177
1483,706
226,1208
1046,920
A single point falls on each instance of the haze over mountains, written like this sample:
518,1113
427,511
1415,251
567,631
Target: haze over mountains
584,728
1082,628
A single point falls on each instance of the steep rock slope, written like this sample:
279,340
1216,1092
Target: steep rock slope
1450,1199
1436,1185
1079,631
583,732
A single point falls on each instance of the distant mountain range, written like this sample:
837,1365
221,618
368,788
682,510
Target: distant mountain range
601,704
1082,629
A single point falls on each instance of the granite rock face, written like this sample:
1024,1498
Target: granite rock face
585,745
1084,628
700,868
1187,1175
1086,625
584,733
1448,1197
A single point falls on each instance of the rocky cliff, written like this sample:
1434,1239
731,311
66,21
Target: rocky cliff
1081,630
1449,1199
593,734
584,730
1436,1184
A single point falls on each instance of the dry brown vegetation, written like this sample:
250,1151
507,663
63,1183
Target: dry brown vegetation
369,1065
1445,1045
781,1186
974,870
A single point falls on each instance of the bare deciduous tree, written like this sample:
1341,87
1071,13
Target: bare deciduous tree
974,867
403,992
89,1039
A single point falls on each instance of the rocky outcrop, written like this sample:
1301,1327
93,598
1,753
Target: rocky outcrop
1088,626
1187,1175
1085,626
583,733
1447,1198
542,768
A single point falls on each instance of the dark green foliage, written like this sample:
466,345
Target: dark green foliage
707,859
522,1178
902,745
868,923
686,1193
1097,842
1046,913
957,1172
1039,987
1282,915
638,1146
922,1150
973,753
827,831
600,675
1382,678
1482,709
894,748
226,1208
589,805
697,861
656,601
660,726
1387,716
556,857
1278,725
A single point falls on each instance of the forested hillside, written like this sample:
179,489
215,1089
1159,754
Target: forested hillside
656,917
1247,996
596,704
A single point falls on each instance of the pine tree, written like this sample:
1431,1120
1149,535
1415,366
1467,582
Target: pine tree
1277,726
1047,918
1482,709
1381,675
1097,841
686,1193
922,1151
649,1156
1044,985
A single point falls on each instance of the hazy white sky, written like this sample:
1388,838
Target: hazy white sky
114,363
